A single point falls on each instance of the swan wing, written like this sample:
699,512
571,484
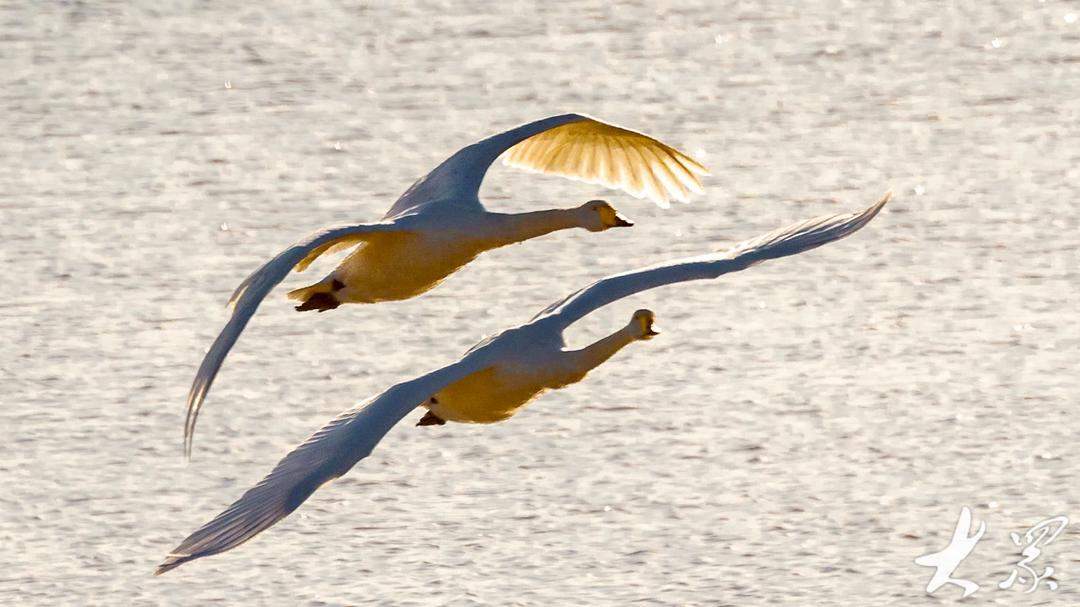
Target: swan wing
247,297
604,154
789,240
571,145
329,453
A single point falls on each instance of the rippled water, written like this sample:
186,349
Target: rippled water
801,431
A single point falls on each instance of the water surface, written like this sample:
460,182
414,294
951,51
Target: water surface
801,431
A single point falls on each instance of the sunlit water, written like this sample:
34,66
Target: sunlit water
801,431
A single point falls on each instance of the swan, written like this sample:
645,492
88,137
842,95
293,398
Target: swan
438,225
491,382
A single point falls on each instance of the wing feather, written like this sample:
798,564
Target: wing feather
541,146
629,169
345,242
789,240
681,171
252,291
653,188
610,173
327,454
664,174
575,155
625,153
589,157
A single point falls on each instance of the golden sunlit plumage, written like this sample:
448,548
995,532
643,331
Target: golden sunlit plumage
341,244
492,381
439,224
618,158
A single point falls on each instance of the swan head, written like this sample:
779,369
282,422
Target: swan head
598,215
641,323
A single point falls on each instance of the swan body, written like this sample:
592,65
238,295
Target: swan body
429,247
397,265
439,224
519,365
491,382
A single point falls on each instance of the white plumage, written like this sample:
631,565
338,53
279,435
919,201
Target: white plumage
492,381
438,225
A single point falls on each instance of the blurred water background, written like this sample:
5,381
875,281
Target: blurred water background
800,432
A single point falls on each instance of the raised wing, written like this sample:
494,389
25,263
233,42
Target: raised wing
249,295
326,455
571,145
786,241
611,156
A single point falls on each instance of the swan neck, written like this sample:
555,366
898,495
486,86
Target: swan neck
593,355
520,227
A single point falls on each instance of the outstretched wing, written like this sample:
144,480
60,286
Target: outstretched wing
249,295
571,145
326,455
786,241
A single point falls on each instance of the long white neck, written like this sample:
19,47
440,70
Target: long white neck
519,227
591,356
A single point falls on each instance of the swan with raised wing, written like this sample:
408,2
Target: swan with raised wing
439,225
491,382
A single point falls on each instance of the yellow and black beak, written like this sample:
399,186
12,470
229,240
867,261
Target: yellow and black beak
648,327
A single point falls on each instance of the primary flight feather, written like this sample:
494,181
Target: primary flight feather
494,380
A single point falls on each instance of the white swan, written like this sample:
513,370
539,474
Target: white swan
438,225
490,383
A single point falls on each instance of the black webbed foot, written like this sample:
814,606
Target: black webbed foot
430,419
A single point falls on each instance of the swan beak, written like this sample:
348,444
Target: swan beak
651,331
622,222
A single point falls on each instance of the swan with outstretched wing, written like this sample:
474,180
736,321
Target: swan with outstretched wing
439,225
493,381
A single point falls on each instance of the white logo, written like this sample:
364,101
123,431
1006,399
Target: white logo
962,544
947,560
1035,537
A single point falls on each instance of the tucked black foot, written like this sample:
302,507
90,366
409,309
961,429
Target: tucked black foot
319,301
430,419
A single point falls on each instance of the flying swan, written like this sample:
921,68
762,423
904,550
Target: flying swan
439,225
491,382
